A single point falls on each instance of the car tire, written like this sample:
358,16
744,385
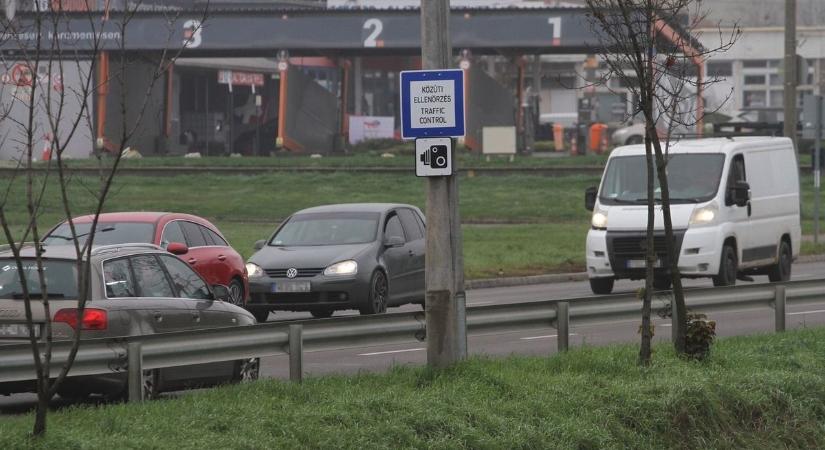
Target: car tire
151,387
260,315
728,267
781,271
601,286
633,140
662,282
378,295
247,370
237,296
321,313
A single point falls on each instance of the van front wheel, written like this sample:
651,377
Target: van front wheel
781,271
601,286
728,266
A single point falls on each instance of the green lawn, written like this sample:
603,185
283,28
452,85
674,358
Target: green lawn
762,392
514,225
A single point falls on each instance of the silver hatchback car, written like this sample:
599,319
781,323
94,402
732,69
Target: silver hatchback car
135,289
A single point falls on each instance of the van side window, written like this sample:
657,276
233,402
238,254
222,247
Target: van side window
736,173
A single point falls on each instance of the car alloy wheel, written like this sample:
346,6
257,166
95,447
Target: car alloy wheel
236,294
248,370
378,294
150,384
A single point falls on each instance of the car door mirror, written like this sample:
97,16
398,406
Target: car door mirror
177,248
259,244
590,198
393,241
220,292
741,193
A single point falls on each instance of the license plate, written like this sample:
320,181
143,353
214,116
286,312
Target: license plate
641,263
17,330
289,286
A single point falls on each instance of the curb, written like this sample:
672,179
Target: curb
525,281
486,283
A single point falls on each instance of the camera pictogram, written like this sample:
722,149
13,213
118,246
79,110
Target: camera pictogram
435,156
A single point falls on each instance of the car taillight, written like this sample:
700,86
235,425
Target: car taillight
93,318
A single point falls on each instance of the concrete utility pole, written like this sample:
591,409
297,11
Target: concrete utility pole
445,301
790,70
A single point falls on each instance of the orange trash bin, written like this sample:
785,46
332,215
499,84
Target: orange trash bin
598,131
558,137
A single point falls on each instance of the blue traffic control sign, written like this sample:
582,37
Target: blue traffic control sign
432,103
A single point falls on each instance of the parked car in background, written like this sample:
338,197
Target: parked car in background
135,289
365,256
194,239
734,207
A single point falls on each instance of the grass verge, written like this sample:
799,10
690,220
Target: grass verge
761,392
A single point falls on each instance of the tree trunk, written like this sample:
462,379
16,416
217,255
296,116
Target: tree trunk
672,255
646,330
42,408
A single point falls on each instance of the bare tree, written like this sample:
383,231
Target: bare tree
50,47
661,63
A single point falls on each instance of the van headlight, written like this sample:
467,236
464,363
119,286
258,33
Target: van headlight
349,267
599,220
704,215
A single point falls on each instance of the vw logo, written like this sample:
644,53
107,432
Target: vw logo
291,272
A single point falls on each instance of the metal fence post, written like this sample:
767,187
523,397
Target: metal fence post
135,368
461,317
296,353
779,308
563,325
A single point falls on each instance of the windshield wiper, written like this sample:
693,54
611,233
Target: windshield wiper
687,200
69,238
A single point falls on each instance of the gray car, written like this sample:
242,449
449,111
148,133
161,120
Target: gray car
135,289
364,256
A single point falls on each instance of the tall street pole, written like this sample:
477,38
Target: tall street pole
790,70
446,334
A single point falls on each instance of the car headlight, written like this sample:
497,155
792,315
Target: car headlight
253,270
599,220
349,267
704,215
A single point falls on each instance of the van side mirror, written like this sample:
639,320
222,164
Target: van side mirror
741,193
259,244
590,198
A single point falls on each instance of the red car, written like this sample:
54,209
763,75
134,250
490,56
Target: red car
194,239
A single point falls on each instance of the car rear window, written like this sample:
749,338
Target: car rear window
61,279
327,229
107,233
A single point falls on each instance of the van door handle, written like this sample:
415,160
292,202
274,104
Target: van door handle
750,210
193,261
196,317
221,258
158,316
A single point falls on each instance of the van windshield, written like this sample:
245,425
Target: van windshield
692,178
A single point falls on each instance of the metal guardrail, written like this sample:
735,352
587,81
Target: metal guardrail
119,355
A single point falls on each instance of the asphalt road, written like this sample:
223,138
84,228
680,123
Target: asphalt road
527,342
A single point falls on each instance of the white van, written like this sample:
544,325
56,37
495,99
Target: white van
734,206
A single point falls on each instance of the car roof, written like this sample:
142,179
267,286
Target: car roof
67,252
136,216
708,145
355,207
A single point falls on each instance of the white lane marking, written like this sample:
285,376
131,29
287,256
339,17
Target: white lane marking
807,312
665,325
543,337
392,351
